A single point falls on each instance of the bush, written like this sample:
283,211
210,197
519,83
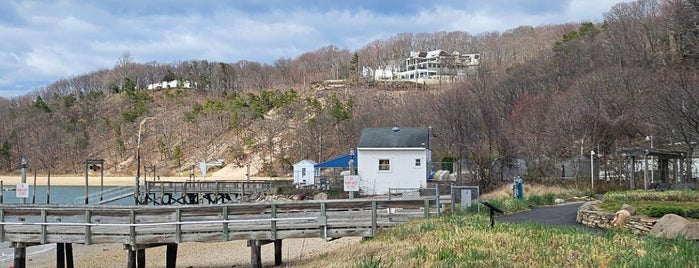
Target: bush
659,211
693,213
549,199
536,200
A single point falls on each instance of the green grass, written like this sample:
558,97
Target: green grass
469,241
459,241
654,203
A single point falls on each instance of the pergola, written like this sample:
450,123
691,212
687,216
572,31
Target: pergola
664,157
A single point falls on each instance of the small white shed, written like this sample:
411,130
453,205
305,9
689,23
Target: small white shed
393,158
304,172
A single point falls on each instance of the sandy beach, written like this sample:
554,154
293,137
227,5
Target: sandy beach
222,254
226,173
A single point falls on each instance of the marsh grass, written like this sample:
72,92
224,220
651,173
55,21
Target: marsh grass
468,241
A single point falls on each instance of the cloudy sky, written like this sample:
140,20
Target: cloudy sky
43,41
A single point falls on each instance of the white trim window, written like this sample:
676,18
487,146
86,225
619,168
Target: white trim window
418,162
384,165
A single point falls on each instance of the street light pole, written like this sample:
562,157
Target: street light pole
652,177
138,158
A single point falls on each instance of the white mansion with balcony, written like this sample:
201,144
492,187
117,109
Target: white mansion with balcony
428,67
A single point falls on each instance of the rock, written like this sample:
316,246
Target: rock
559,201
671,226
320,196
590,206
629,208
621,217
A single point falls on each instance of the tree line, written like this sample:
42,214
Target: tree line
544,93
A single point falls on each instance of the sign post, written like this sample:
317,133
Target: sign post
202,167
24,193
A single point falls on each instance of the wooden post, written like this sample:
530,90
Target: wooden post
255,254
277,252
131,263
141,258
225,224
64,255
34,189
273,222
86,184
88,233
178,227
374,217
60,255
69,255
171,255
427,208
48,187
20,255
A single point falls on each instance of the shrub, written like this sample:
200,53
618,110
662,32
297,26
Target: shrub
536,200
659,211
693,213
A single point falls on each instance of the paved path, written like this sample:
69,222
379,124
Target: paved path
558,215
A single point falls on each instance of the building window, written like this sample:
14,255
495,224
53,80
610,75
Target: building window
303,172
384,164
418,163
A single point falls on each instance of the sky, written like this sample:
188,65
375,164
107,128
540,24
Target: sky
44,41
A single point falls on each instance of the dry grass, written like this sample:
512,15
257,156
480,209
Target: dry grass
529,190
468,241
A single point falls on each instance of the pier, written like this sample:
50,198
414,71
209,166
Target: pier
200,192
140,227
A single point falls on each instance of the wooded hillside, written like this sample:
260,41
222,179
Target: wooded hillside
545,94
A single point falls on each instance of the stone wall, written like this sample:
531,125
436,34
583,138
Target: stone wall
591,215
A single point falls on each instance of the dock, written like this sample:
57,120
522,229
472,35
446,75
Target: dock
139,227
200,192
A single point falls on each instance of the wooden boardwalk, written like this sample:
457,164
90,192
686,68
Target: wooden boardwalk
140,227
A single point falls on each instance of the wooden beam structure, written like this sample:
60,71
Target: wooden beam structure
200,192
141,227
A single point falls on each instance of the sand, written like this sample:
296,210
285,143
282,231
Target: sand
229,172
222,254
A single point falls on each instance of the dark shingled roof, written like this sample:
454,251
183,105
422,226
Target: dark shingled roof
407,137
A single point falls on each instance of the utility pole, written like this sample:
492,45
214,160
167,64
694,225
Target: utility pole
138,158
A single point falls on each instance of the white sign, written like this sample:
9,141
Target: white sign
202,167
22,190
466,197
351,183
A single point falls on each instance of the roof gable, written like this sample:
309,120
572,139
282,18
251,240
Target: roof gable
305,162
394,138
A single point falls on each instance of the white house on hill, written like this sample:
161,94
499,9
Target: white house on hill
169,84
393,158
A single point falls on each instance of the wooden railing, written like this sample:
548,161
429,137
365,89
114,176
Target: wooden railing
207,186
151,225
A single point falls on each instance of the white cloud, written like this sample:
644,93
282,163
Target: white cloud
52,40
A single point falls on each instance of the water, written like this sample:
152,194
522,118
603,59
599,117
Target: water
59,195
65,195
